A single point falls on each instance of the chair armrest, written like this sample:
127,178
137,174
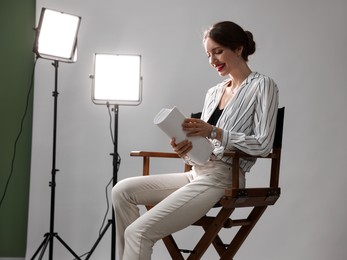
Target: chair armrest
154,154
240,154
274,156
147,155
236,155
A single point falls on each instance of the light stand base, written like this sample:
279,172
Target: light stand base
49,239
109,223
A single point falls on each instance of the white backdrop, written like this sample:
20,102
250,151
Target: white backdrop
301,44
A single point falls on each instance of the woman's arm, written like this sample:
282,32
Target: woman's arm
257,134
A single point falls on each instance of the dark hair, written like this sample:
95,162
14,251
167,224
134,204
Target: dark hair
231,35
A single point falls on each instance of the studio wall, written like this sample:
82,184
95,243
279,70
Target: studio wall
300,44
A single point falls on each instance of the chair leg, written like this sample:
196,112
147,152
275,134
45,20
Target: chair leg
243,232
218,245
211,233
172,248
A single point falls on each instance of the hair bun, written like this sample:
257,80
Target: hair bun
250,43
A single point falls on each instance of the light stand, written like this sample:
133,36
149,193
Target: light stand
42,50
117,81
115,164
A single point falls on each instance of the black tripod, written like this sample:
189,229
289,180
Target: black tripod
49,237
116,163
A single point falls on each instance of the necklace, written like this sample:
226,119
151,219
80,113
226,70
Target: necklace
232,88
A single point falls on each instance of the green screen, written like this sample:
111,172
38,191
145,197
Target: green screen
17,20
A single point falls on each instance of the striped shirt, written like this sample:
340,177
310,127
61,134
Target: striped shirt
248,120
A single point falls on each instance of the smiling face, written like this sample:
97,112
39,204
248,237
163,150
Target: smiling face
222,58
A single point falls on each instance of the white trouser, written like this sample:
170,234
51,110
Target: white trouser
180,199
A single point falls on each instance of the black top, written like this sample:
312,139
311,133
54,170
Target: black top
215,116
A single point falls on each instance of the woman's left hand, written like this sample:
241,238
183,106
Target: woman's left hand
196,127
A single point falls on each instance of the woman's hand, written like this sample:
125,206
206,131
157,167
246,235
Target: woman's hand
182,148
196,127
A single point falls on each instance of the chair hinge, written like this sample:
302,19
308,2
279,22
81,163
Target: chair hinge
241,196
272,194
187,251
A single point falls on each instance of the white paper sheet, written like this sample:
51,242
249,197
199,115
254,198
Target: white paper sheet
170,122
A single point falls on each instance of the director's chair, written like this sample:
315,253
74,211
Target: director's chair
257,199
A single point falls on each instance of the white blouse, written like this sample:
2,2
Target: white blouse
248,120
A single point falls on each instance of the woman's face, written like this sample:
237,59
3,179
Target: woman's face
223,59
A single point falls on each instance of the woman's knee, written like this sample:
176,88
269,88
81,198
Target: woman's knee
120,191
125,189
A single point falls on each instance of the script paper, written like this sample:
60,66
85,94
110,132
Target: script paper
170,122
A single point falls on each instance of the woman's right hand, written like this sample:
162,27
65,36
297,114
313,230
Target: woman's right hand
181,148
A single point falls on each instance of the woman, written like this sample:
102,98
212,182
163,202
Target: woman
239,113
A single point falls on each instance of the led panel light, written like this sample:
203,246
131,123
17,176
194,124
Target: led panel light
117,79
56,37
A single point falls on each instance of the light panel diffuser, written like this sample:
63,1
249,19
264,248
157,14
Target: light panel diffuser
56,37
117,79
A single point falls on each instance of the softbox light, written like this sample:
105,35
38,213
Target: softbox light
56,36
117,79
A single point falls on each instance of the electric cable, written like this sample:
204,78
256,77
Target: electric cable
110,122
19,135
107,206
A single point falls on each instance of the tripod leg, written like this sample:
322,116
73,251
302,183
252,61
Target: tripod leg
99,238
43,246
67,247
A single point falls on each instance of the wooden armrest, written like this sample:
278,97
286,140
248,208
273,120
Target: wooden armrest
154,154
146,155
244,155
238,154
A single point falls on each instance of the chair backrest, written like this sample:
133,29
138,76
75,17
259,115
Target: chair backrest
196,115
276,151
279,128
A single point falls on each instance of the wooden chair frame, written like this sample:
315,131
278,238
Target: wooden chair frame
258,199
